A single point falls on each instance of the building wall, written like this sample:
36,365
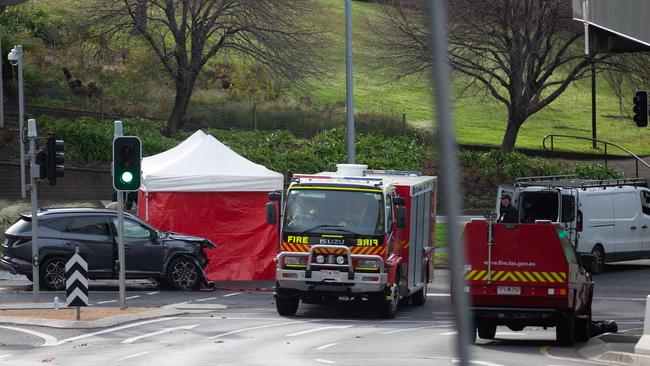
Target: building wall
77,184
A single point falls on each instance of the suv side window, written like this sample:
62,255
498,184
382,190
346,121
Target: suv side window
133,229
645,202
88,225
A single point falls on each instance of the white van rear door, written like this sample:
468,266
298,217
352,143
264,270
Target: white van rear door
627,230
505,189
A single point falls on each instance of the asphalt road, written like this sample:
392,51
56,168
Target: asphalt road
250,332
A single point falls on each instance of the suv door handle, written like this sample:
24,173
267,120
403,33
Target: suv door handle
71,243
633,227
644,227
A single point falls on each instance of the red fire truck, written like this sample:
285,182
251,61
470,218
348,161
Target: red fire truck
355,234
522,275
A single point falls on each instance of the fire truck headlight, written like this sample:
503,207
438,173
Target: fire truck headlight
294,260
320,259
368,263
340,259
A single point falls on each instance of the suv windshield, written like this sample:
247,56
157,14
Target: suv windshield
357,212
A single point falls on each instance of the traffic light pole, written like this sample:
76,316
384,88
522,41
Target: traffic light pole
120,230
33,187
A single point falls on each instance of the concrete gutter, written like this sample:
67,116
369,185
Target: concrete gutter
614,349
165,311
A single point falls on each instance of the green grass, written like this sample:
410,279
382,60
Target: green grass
478,119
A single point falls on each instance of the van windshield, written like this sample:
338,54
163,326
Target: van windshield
539,206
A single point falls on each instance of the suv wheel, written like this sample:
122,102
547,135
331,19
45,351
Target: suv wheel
182,274
53,274
599,259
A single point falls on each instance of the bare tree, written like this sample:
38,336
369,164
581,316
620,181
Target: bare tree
186,34
523,53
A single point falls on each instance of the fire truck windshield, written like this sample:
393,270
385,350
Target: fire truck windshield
359,212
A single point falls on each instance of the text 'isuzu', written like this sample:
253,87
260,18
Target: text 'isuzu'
356,235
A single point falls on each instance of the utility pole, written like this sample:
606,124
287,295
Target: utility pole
15,57
120,230
34,174
348,81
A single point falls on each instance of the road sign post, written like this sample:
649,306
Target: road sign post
76,283
33,186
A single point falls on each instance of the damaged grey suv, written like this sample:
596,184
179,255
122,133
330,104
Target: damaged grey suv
173,259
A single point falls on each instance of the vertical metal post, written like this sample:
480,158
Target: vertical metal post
101,103
448,149
21,120
349,82
34,170
120,230
403,123
2,95
329,117
255,115
593,101
605,155
636,168
76,251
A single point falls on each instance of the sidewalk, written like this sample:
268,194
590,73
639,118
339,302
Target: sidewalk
615,349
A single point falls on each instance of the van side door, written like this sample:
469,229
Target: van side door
645,222
627,228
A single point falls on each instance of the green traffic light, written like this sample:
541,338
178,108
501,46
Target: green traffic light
127,177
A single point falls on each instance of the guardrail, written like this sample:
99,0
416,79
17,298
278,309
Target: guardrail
606,143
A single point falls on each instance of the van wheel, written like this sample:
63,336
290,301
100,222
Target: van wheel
565,331
599,259
487,330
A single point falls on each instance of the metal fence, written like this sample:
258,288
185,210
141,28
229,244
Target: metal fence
90,102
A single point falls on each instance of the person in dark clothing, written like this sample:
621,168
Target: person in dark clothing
509,213
130,198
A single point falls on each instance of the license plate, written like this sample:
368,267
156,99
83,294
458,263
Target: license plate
325,273
508,290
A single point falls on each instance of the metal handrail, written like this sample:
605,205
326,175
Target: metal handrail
637,159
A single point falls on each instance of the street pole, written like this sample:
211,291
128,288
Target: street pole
120,230
448,149
348,81
2,95
33,187
593,101
21,118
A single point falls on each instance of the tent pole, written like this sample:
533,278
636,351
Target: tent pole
146,206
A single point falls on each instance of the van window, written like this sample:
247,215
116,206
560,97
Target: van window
645,202
568,208
539,206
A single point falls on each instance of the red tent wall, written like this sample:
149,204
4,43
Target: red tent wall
234,221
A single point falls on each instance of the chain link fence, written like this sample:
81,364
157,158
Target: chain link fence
89,101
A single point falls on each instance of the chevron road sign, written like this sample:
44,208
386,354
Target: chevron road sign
76,283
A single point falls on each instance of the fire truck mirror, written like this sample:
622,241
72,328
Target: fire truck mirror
271,214
401,217
275,196
400,201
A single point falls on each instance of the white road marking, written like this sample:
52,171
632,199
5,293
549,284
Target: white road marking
106,302
153,293
317,330
133,356
233,294
206,299
510,333
152,334
438,295
226,316
326,346
448,333
49,340
109,330
620,298
5,356
253,328
477,362
323,360
409,329
132,297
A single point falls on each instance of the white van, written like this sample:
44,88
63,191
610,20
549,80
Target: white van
607,218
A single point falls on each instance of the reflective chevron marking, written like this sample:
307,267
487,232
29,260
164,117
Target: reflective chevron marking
516,276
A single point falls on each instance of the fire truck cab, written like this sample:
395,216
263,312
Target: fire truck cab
359,234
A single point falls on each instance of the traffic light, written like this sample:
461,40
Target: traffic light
641,108
53,159
127,154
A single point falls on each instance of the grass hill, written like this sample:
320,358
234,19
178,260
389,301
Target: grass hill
479,119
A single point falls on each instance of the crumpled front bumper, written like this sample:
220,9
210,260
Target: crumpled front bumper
15,266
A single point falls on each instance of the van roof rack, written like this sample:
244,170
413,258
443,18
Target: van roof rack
570,181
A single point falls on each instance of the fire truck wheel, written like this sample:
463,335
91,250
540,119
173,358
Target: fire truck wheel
487,330
583,327
472,335
287,306
420,297
565,331
389,302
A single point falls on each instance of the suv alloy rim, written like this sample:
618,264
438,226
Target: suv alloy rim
184,274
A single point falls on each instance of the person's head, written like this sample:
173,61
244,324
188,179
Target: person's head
505,199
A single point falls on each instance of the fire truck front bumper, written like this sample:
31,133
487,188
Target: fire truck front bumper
330,281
